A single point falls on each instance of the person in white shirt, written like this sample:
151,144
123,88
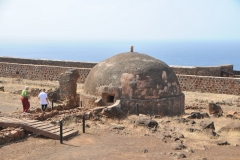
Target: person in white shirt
43,99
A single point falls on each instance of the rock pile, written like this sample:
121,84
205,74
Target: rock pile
11,134
2,88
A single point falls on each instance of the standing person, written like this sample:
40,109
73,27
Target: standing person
43,99
24,99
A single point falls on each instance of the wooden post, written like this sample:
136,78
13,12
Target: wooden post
80,103
52,104
83,120
137,111
61,140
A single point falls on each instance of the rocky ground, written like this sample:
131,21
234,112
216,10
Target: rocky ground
194,135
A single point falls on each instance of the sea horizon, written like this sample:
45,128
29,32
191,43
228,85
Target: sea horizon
173,53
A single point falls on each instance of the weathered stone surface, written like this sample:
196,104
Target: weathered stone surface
10,134
147,123
177,135
135,79
234,126
215,109
231,113
203,71
180,156
48,62
182,120
209,84
208,128
113,110
193,130
97,110
221,143
118,127
2,88
206,124
179,146
195,115
205,115
68,88
34,71
54,96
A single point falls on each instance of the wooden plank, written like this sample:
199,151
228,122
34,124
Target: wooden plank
41,132
55,130
38,125
51,129
35,123
64,131
70,134
30,120
47,126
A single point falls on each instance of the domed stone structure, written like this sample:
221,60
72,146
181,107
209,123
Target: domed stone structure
132,78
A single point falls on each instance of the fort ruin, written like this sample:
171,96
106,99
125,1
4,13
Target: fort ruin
215,79
132,78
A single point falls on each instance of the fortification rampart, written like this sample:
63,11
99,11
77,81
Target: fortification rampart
203,71
210,84
38,72
201,79
47,62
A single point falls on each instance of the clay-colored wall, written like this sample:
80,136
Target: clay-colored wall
210,84
38,72
47,62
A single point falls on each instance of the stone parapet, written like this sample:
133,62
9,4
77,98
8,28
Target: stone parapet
38,72
203,71
209,84
47,62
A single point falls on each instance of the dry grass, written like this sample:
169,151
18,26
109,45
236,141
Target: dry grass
208,97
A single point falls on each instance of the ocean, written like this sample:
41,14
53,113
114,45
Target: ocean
183,53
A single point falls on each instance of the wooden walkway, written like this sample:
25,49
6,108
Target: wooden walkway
38,127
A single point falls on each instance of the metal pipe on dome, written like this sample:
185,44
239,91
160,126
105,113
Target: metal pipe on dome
131,49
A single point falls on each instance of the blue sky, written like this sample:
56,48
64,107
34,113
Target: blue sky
86,20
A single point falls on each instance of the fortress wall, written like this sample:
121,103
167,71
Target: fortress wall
47,62
202,71
38,72
187,70
201,79
227,68
210,84
236,72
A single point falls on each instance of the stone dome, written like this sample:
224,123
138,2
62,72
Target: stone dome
133,78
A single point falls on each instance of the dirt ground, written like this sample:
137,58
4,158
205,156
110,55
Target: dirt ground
107,139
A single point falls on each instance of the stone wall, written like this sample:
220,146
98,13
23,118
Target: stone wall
236,72
227,68
190,78
38,72
47,62
210,84
202,71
